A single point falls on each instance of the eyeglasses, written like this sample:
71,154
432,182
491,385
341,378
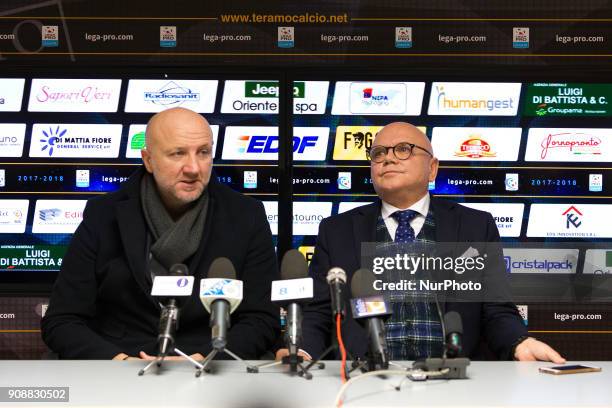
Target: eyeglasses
402,151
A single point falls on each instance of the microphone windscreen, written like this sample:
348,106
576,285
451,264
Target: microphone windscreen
222,268
362,284
293,265
179,270
336,273
452,322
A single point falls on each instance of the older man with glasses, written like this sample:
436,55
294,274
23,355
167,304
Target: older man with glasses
402,164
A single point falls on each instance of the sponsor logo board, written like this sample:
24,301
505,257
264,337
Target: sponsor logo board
570,221
31,258
13,216
261,143
11,94
568,99
507,216
74,95
569,145
57,216
148,95
541,260
309,97
12,136
52,140
306,216
474,98
378,98
598,261
473,143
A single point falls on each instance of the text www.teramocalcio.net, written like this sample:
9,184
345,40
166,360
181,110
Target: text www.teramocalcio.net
309,18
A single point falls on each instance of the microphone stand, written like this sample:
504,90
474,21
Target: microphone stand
293,360
219,343
170,315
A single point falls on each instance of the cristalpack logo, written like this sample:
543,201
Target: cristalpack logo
403,37
475,147
572,217
520,37
541,260
52,140
167,36
49,36
286,37
574,143
482,99
171,95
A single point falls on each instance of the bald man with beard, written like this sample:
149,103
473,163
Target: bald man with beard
172,210
402,163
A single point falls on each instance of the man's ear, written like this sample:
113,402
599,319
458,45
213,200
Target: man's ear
146,159
433,168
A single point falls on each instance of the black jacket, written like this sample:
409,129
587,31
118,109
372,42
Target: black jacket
339,244
101,304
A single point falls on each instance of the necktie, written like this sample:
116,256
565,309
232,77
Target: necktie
404,232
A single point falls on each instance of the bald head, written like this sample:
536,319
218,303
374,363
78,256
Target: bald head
405,131
164,122
403,182
178,153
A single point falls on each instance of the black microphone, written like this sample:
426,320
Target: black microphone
222,300
454,335
168,320
294,266
362,288
336,278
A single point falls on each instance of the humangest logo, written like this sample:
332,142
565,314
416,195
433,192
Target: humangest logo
74,95
482,99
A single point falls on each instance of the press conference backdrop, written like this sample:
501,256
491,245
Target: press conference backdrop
525,135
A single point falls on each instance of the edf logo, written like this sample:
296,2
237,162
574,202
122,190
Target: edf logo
269,144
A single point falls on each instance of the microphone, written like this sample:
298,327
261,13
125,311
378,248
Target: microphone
454,335
336,278
370,311
169,288
220,293
294,290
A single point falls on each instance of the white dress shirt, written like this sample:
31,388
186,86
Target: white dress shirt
421,207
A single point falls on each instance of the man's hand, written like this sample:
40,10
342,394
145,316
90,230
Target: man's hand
144,356
284,352
532,350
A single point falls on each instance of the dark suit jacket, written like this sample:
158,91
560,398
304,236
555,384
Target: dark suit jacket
101,303
339,244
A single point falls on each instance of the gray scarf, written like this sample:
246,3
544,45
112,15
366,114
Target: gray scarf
173,241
